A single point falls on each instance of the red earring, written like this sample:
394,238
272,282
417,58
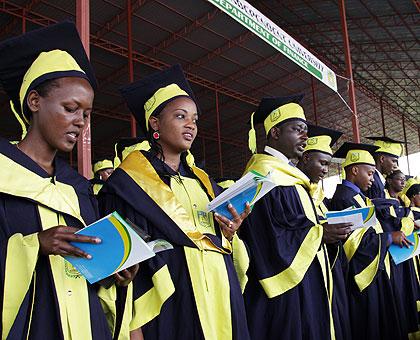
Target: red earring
156,135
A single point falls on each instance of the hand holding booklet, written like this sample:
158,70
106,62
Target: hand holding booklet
250,188
121,247
360,217
401,254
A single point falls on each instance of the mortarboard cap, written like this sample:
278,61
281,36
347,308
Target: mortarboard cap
103,164
151,93
321,139
32,58
127,145
356,153
411,188
272,111
388,145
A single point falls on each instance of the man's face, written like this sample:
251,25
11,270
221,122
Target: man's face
364,176
290,138
315,165
388,164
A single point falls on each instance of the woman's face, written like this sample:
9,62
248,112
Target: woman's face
177,125
396,183
61,115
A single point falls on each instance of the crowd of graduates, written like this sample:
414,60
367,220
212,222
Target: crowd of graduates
276,271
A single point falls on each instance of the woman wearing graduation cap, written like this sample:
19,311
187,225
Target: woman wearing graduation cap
315,163
192,291
374,307
101,172
50,82
290,279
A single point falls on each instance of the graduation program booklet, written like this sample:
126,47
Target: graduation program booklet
250,188
121,247
401,254
360,217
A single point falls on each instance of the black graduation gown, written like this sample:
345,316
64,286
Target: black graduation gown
30,296
173,313
287,296
373,311
377,190
403,276
338,262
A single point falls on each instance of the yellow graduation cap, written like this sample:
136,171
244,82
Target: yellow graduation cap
30,59
356,153
101,165
321,139
388,145
273,111
411,186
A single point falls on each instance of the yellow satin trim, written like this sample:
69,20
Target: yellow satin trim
282,173
287,111
70,287
96,188
143,173
407,224
17,180
366,276
22,256
161,96
108,297
148,306
240,260
319,143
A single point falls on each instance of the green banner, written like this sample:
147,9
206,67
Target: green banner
263,27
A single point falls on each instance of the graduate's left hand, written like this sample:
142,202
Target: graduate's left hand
124,277
230,227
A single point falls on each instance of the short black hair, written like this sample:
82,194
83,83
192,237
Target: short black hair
43,90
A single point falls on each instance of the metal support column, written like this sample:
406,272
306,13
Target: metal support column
133,126
84,158
314,100
382,115
349,73
219,142
406,144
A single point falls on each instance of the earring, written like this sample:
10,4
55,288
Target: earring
156,135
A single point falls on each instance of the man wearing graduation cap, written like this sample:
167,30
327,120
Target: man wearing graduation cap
192,291
315,163
386,160
287,295
373,304
43,201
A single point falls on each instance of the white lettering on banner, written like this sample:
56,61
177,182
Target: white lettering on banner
256,22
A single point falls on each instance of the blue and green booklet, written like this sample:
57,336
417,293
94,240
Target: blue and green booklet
360,217
401,254
121,247
250,188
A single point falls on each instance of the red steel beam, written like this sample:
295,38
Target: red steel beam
84,158
133,125
349,73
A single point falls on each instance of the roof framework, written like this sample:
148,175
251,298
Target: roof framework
231,69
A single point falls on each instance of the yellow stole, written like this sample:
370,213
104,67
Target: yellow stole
54,199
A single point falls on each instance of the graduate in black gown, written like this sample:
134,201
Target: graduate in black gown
43,201
315,163
290,281
101,172
373,308
193,291
386,161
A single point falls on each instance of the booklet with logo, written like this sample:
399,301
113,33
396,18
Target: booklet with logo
401,254
121,247
250,188
360,217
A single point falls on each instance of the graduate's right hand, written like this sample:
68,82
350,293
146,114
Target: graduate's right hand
56,241
399,238
336,232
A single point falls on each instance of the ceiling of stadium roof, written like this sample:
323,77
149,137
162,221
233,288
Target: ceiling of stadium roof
232,67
